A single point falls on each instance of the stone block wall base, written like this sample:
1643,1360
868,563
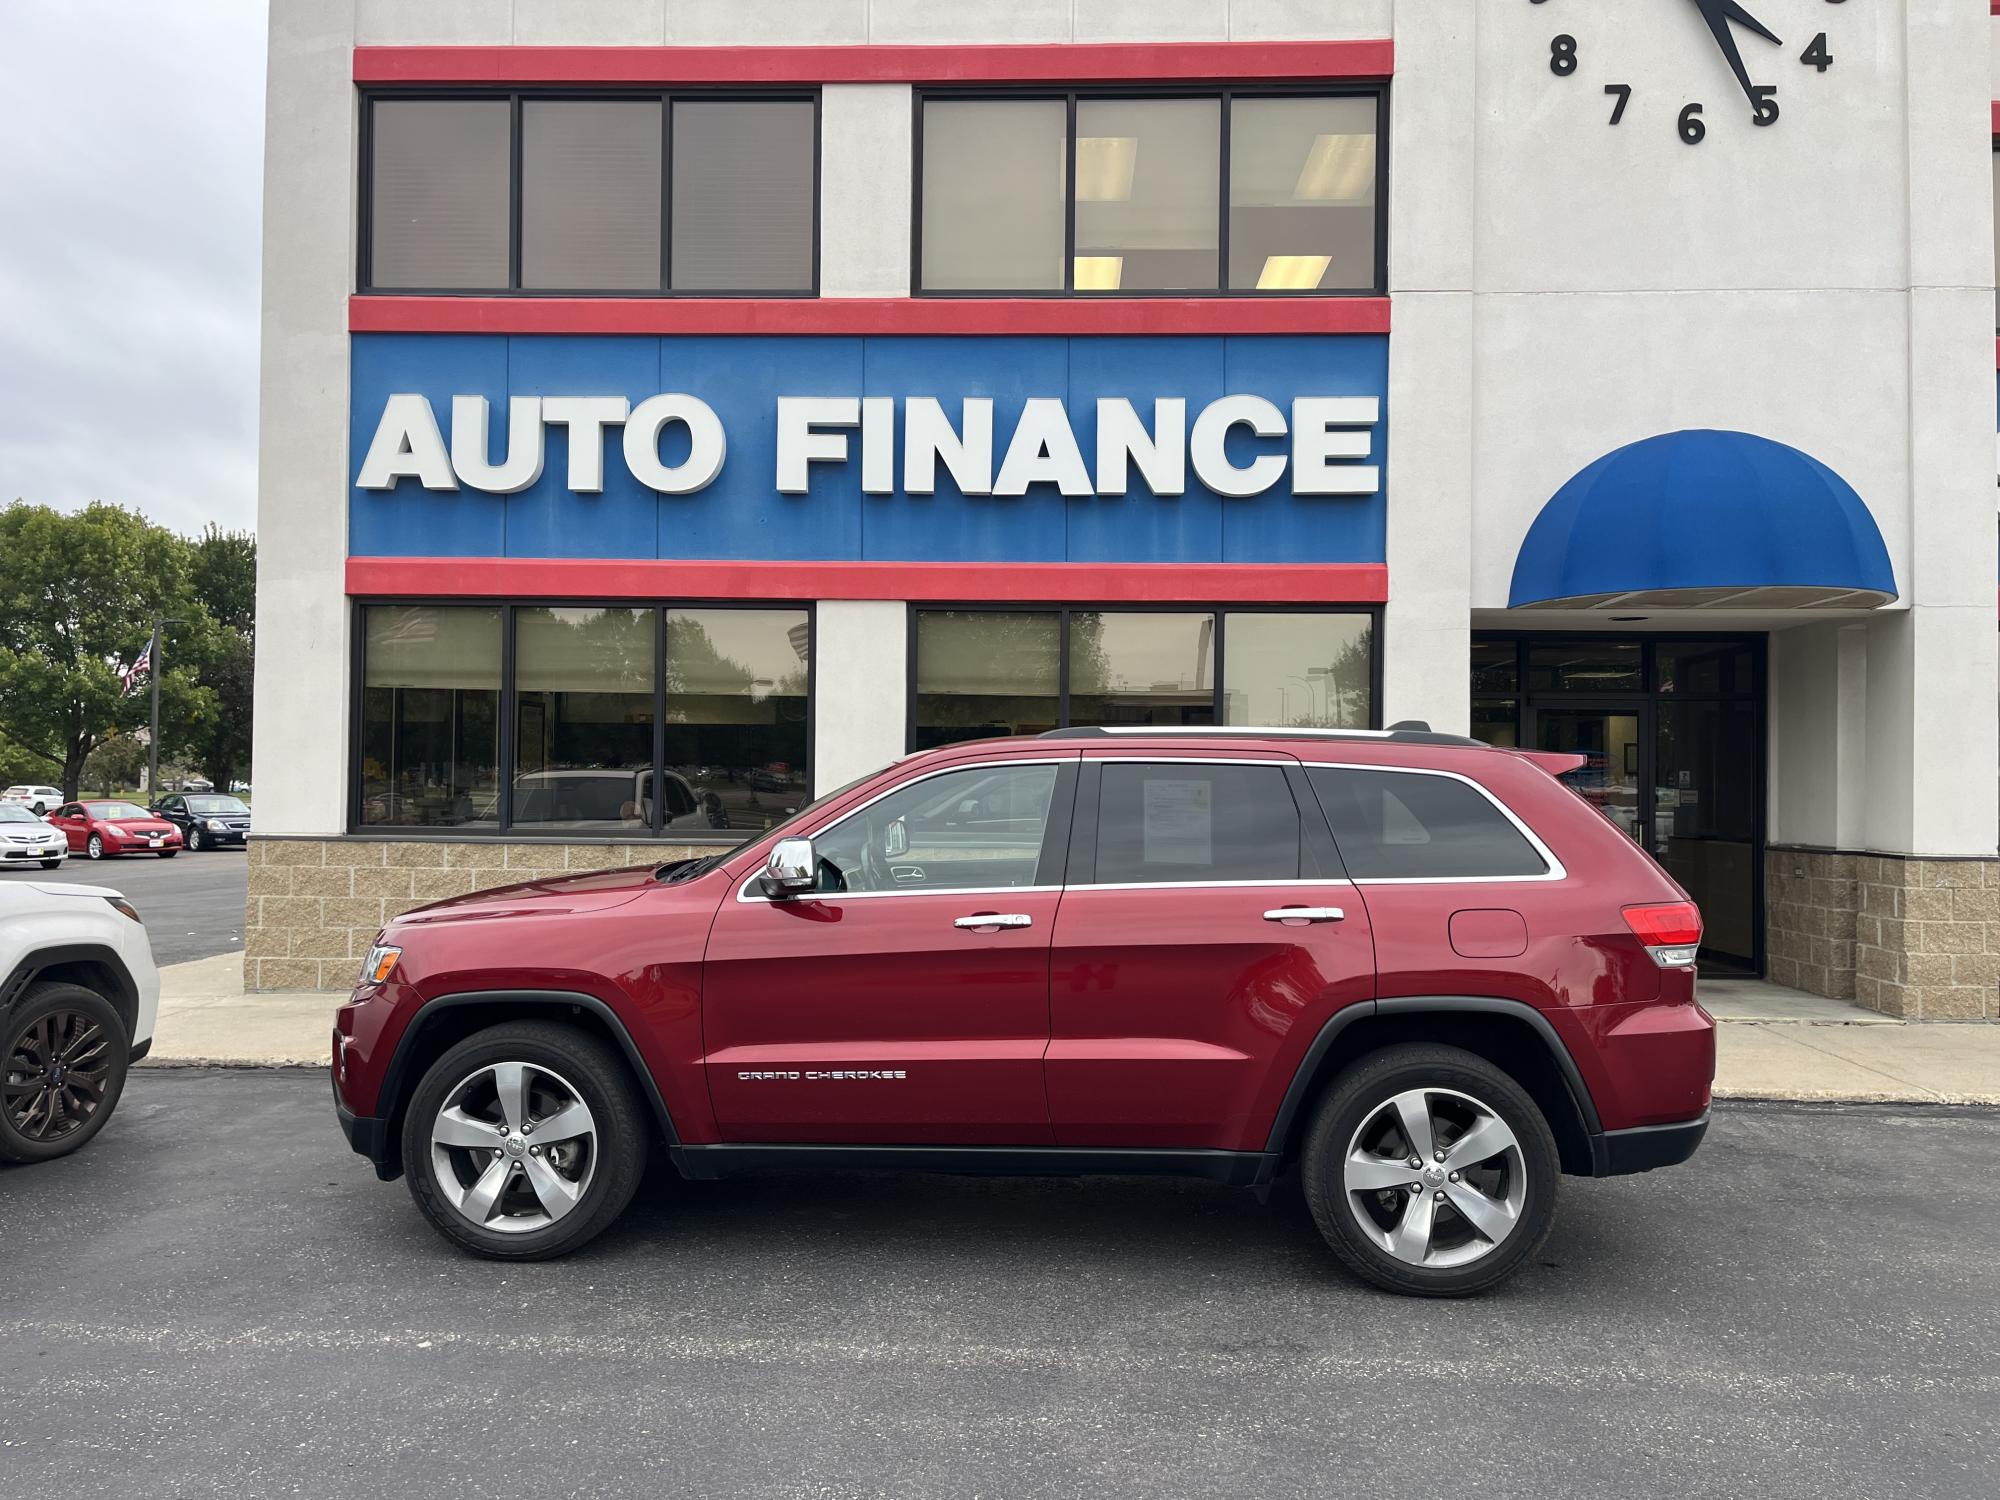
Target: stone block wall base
315,905
1909,937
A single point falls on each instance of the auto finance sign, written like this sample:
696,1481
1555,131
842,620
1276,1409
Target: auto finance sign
938,449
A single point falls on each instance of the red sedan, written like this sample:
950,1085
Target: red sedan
99,829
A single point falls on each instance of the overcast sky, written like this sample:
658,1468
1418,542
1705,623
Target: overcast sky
131,146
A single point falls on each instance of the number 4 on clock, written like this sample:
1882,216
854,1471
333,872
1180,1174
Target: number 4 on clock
1816,56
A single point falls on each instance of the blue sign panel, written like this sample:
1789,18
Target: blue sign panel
1249,449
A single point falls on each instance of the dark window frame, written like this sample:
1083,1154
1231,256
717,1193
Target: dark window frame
1221,612
539,833
665,98
1227,93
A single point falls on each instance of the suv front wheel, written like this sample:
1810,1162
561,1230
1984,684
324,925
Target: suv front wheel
1430,1172
525,1141
63,1054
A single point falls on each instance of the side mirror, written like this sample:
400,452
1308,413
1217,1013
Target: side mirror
791,870
896,839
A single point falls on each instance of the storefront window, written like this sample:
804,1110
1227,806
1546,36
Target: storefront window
986,673
1299,671
1586,667
743,195
1148,172
1129,668
737,713
993,194
983,673
592,752
430,717
590,194
583,719
439,193
1302,194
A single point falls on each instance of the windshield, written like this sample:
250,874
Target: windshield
13,813
212,805
115,810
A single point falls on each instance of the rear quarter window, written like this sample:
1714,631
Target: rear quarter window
1401,825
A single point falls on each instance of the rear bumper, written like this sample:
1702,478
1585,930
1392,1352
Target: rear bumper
1618,1153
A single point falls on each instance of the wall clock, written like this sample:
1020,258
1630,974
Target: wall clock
1755,54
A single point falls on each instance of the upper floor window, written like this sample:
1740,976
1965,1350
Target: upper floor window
1228,191
632,195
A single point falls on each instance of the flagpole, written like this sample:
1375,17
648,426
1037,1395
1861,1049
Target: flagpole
153,744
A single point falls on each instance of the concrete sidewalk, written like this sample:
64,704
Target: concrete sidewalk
1772,1043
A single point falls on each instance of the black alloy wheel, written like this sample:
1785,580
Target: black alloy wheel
62,1068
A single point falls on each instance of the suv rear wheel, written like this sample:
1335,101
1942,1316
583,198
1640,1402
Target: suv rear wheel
525,1141
63,1055
1430,1172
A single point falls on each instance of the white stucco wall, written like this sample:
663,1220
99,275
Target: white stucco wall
860,695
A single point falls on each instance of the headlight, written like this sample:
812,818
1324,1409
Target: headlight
379,964
216,825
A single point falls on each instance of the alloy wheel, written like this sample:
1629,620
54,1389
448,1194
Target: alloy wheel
194,840
514,1147
95,848
1435,1177
55,1076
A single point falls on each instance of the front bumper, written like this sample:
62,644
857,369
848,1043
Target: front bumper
28,854
1619,1153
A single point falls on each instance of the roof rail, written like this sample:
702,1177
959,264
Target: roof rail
1409,732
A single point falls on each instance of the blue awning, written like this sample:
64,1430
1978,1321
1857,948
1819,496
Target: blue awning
1704,518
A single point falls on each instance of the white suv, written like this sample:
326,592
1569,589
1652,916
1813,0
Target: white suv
37,799
78,997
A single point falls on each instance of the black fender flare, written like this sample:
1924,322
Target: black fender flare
390,1098
1302,1079
30,968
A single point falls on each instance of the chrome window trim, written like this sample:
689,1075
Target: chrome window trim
743,890
1211,885
1555,870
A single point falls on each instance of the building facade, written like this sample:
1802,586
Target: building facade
673,409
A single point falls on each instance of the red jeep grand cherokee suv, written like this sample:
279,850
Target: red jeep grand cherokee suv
1419,967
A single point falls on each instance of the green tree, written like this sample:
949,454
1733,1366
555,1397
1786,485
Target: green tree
221,651
117,765
78,597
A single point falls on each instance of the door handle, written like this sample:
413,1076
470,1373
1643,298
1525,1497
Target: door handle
1306,914
987,921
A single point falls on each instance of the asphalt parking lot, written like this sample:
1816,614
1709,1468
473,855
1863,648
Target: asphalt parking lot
192,904
216,1297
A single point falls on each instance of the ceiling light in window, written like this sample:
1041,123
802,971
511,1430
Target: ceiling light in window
1291,273
1104,167
1100,273
1338,169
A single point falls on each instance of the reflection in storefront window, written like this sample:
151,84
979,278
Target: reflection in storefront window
737,714
985,673
1298,671
1129,668
430,717
583,719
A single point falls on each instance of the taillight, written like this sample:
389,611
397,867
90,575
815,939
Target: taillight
1670,931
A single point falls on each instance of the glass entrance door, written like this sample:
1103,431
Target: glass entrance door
1611,742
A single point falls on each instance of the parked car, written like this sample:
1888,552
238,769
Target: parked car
27,839
611,795
78,997
1418,967
37,799
103,828
211,822
195,784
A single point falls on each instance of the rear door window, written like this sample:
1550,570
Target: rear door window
1405,825
1179,824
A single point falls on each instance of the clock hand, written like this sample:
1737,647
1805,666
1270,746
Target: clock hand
1719,14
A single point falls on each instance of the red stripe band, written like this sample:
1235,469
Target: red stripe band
1040,63
868,315
971,583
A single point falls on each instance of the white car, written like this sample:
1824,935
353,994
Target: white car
37,799
79,995
27,839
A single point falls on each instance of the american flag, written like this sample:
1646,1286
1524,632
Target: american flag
135,675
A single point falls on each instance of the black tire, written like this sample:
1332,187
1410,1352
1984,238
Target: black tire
1356,1098
600,1079
194,840
94,846
52,864
23,1043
